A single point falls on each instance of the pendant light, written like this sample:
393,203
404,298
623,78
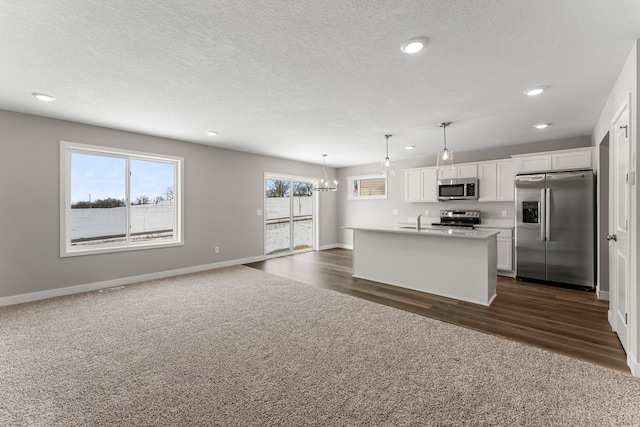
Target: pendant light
387,164
445,157
325,184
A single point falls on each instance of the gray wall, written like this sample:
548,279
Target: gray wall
223,189
364,212
603,216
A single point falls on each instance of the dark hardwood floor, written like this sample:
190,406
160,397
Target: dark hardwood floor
565,321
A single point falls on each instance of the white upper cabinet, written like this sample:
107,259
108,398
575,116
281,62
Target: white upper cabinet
487,182
447,173
506,181
533,163
579,158
571,160
496,181
412,185
429,177
459,171
420,185
467,171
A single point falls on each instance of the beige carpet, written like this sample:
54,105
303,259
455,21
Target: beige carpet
239,347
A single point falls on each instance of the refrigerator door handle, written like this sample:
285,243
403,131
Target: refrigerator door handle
542,214
547,221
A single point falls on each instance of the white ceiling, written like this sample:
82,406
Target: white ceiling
297,79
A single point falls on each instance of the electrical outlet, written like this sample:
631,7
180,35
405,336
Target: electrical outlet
259,213
217,249
426,212
504,214
395,211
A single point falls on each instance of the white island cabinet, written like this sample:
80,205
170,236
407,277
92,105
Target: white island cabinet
458,264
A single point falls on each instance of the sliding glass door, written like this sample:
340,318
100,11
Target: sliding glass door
289,215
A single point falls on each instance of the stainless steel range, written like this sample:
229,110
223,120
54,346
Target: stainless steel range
458,218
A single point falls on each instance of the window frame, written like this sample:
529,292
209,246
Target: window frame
66,249
351,179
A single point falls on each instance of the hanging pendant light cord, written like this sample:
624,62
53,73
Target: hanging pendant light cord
324,168
387,138
444,125
444,132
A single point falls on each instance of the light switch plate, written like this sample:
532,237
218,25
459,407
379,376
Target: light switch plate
504,214
395,211
259,213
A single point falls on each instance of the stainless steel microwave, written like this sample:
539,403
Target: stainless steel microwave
458,189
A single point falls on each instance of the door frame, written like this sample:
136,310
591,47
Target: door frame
314,209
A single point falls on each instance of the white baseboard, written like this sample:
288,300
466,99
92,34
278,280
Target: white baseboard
604,295
633,365
325,247
88,287
610,319
335,245
506,273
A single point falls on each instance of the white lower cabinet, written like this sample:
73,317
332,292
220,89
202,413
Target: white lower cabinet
505,248
505,254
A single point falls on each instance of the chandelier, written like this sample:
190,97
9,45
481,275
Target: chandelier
325,184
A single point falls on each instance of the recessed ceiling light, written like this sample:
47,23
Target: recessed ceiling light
414,45
409,147
43,97
212,133
541,125
535,91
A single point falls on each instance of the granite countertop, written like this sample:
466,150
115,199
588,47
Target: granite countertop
428,231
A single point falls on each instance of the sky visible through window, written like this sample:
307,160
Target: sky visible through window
103,177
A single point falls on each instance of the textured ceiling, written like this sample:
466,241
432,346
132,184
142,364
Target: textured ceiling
297,79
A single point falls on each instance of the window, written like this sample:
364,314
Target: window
372,186
117,200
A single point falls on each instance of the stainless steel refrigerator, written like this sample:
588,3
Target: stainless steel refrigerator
555,227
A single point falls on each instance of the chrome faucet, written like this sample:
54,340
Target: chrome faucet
418,221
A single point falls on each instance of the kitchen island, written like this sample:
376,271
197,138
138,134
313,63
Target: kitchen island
454,263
